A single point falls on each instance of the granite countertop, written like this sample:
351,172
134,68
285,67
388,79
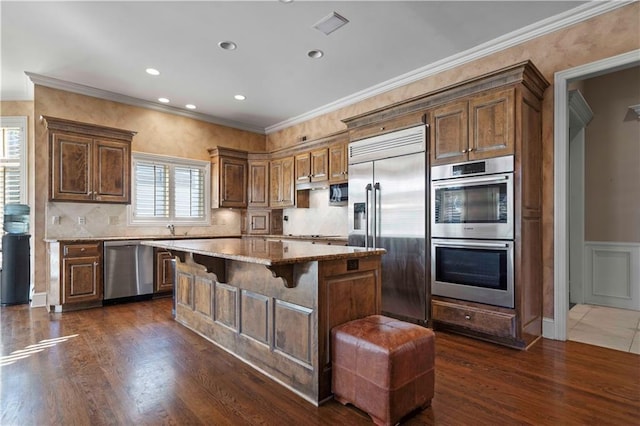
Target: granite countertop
265,252
309,237
137,238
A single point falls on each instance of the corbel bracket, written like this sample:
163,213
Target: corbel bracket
285,272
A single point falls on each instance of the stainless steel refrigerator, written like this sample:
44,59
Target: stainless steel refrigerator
388,208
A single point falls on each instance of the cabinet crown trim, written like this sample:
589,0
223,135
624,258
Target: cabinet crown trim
520,73
61,124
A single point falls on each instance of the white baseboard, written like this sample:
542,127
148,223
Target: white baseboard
548,328
39,300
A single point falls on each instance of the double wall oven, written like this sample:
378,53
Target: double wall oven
472,225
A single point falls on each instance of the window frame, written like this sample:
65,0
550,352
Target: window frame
171,163
21,122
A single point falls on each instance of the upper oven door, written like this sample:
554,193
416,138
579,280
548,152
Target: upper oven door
473,207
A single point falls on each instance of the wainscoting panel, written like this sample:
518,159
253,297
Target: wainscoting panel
612,274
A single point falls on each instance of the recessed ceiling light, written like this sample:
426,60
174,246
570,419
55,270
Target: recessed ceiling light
315,54
163,100
286,1
227,45
152,71
240,97
190,106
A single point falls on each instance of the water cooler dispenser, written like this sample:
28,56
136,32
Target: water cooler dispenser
16,272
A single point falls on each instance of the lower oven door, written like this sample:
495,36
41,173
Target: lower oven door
473,270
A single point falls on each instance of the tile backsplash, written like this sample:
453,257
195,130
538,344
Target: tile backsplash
86,220
320,218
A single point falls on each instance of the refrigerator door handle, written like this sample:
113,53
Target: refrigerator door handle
376,188
367,189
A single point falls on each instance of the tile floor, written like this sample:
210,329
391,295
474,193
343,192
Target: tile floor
603,326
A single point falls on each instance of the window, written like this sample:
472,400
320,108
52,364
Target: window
13,161
170,190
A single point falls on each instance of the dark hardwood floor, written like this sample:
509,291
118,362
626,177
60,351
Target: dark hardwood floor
132,364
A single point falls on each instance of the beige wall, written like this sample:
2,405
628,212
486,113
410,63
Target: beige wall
157,133
612,158
603,36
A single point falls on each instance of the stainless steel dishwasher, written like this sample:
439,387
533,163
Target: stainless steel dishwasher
128,271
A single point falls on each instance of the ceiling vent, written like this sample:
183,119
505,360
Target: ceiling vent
330,23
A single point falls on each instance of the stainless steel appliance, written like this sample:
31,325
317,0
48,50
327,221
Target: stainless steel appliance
473,199
387,209
474,270
128,271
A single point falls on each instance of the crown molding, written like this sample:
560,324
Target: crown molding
81,89
540,28
579,108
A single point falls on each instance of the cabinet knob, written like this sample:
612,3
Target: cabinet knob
381,128
82,249
464,151
470,149
467,317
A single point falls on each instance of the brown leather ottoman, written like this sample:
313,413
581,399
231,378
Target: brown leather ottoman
383,366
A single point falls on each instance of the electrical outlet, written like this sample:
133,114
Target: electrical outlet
113,220
82,220
55,220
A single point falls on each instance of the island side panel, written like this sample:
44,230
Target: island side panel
255,317
349,289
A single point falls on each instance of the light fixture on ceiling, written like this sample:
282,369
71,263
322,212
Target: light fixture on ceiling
190,106
240,97
286,1
163,100
315,54
227,45
330,23
152,71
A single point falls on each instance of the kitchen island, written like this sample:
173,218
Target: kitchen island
273,303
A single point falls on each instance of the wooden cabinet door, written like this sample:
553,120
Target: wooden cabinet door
320,165
288,183
449,133
258,183
275,183
491,121
112,172
71,159
82,279
303,168
338,163
164,272
259,221
282,182
233,182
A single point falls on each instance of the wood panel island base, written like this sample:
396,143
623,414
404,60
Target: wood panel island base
272,304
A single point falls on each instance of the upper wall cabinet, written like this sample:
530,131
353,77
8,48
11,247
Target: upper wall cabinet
339,162
89,163
282,185
312,166
258,189
473,129
228,177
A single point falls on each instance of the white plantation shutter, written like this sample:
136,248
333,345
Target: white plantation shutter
152,190
189,192
170,190
12,161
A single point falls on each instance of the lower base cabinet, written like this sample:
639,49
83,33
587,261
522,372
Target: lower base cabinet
164,271
81,275
486,322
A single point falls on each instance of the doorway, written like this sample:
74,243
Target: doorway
561,179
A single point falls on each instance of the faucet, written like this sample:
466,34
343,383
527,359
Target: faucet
171,229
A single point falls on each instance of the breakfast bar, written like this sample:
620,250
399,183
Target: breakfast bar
273,303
